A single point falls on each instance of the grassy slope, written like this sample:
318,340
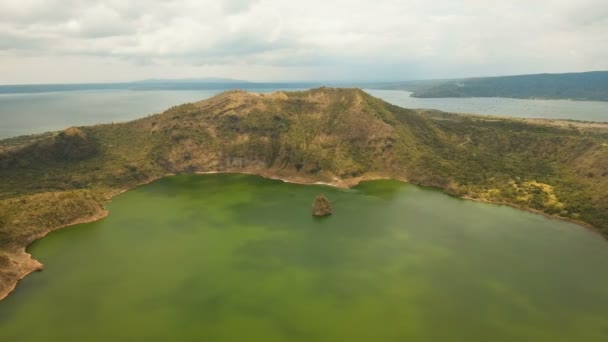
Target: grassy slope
319,135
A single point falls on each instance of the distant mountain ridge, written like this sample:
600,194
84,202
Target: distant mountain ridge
192,80
583,86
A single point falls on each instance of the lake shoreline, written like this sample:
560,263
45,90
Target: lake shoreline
25,264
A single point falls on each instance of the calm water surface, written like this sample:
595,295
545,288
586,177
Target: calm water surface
239,258
545,109
36,113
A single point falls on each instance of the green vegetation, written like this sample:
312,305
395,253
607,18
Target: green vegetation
557,167
591,86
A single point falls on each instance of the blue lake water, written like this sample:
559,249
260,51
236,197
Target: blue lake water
546,109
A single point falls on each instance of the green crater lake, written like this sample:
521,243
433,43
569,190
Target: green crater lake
240,258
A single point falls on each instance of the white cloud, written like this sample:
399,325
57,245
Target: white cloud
272,39
237,6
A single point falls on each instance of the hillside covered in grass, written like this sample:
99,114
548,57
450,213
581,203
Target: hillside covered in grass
590,86
332,135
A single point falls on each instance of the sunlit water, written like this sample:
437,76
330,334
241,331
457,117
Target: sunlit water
40,112
240,258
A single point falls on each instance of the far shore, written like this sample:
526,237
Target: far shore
26,264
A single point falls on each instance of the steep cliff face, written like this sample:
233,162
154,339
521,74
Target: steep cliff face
331,130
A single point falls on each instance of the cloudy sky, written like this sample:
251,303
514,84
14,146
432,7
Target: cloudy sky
56,41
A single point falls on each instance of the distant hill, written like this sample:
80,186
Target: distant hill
589,86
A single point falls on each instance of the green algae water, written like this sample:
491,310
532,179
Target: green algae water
240,258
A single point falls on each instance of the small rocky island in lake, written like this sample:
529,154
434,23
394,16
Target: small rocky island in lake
321,206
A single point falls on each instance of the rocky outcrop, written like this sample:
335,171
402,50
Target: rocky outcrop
321,206
16,267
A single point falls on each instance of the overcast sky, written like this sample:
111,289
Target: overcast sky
59,41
